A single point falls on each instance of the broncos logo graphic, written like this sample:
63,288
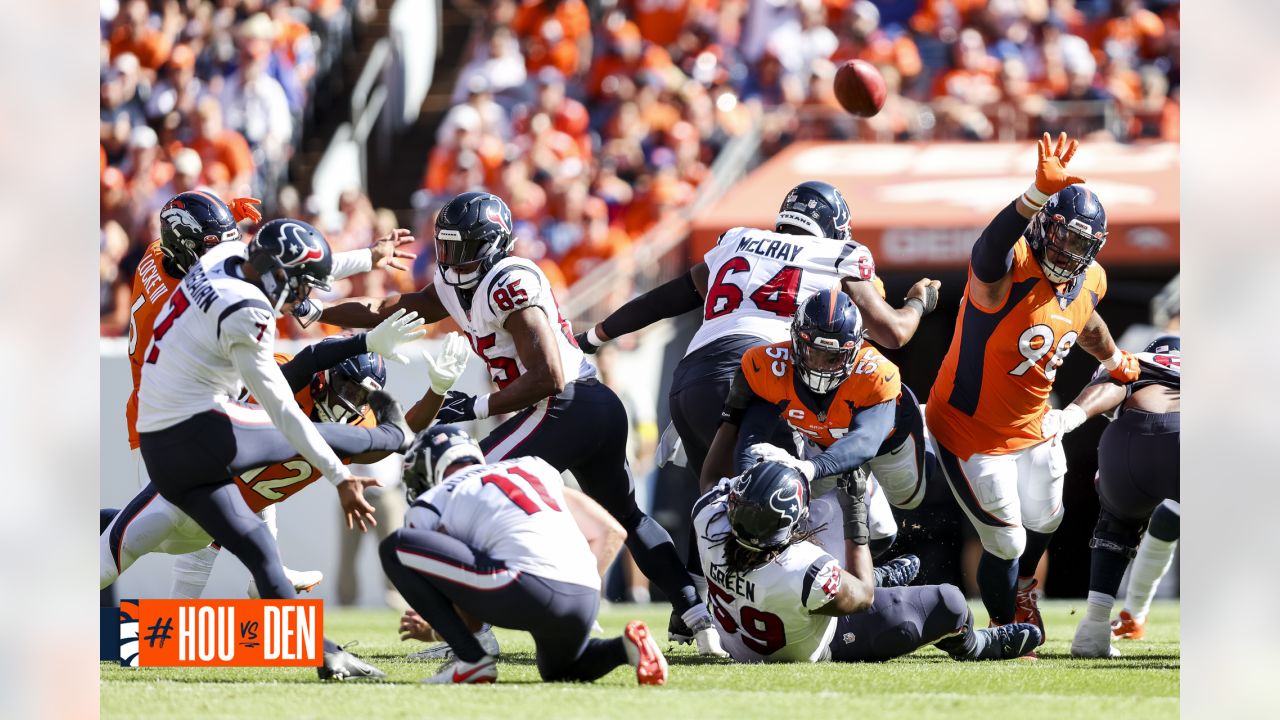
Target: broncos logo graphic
178,218
298,246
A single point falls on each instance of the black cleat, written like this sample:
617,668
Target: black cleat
1005,642
898,572
342,665
678,630
388,412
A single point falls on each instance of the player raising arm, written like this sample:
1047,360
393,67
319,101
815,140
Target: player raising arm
1027,302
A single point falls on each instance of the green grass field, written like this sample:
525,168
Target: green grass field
927,684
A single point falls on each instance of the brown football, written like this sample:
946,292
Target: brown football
860,88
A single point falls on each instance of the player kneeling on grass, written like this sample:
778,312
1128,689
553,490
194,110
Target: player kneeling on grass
496,542
778,597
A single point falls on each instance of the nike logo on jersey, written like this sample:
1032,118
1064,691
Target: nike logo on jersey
887,378
776,249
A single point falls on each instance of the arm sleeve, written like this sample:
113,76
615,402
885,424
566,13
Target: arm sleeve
739,398
352,262
668,300
262,376
869,429
821,583
321,356
759,423
993,252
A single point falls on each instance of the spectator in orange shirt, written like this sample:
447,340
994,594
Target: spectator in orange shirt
134,34
555,33
660,21
217,143
627,53
600,243
179,89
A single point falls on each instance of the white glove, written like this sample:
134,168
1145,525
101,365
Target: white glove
768,452
1057,423
445,369
396,330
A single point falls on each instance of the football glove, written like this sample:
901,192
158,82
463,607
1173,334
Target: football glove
852,496
242,208
585,344
396,330
768,452
1123,367
457,407
1051,170
308,311
445,369
1057,423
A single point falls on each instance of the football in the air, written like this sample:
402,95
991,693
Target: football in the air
860,88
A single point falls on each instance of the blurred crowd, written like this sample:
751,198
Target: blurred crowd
597,120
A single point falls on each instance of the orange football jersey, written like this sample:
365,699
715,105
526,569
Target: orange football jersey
269,485
771,374
151,288
993,386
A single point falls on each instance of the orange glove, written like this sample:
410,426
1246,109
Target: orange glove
242,208
1126,369
1051,170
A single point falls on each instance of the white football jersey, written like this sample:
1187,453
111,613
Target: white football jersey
513,511
764,614
512,284
187,368
758,278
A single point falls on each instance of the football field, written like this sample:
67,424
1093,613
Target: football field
927,684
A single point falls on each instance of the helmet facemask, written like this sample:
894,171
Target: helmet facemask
1068,248
821,362
344,397
463,262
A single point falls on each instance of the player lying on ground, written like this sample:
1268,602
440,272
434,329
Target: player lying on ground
215,335
495,541
758,278
332,381
778,597
191,223
561,412
1137,470
1027,302
843,397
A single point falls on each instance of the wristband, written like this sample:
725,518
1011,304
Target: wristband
481,406
914,302
593,338
1114,361
1034,198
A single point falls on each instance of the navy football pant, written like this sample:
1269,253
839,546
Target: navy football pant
192,463
584,430
434,572
902,620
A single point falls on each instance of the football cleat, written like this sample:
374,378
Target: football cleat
898,572
302,580
342,665
488,641
460,672
1005,642
643,654
1127,627
677,631
1027,611
704,634
1093,640
388,412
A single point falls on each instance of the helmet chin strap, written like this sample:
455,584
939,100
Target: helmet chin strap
274,290
1053,274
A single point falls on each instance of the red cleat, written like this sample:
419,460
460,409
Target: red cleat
1127,628
644,654
1027,611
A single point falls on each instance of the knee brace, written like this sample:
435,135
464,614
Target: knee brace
1116,535
1165,521
1006,543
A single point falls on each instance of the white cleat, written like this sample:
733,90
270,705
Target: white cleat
459,672
1093,640
705,635
303,581
486,638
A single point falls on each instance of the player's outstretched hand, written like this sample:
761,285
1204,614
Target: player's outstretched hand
393,332
414,627
357,509
387,253
926,291
1051,171
1127,370
768,452
243,208
447,366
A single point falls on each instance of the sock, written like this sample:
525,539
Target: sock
1037,543
1099,607
1106,570
268,516
996,580
191,573
1153,561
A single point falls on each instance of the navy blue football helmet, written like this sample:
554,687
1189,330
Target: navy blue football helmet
826,336
292,259
432,452
473,232
342,391
814,208
1165,345
767,504
190,224
1067,233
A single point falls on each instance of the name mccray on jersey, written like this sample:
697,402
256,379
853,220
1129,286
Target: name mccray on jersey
765,614
187,368
513,511
758,278
512,284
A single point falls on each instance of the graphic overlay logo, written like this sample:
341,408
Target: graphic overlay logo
215,633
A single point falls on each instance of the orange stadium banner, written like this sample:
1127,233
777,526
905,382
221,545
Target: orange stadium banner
922,205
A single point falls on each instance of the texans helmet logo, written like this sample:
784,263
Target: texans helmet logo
495,216
786,501
298,246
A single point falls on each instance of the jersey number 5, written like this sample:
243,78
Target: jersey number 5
180,304
777,295
1036,342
